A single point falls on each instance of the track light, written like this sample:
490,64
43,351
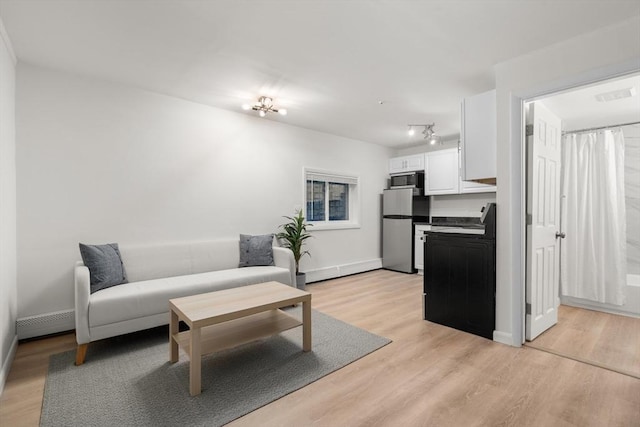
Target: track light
427,133
264,106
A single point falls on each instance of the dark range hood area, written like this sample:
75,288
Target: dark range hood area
459,274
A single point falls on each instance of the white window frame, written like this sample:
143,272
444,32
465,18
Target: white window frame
354,198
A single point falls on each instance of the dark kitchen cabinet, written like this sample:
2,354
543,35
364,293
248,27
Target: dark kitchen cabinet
460,282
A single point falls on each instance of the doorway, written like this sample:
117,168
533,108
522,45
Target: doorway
587,330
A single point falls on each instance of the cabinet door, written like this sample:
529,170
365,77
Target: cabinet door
397,165
475,187
442,175
478,136
418,250
415,163
403,164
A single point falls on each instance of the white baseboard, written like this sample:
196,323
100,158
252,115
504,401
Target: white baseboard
45,324
6,366
606,308
343,270
504,338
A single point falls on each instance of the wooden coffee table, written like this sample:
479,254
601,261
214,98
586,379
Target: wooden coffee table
231,317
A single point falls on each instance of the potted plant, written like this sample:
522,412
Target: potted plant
292,237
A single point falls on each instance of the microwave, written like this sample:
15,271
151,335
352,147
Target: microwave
413,180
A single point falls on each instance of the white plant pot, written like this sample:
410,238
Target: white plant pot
301,281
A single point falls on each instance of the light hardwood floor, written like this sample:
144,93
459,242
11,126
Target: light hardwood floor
430,375
608,340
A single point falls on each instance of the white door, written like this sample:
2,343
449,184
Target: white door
543,216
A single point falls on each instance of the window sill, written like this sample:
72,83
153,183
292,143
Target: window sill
317,226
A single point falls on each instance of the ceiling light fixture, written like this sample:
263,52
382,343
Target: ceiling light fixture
264,106
428,133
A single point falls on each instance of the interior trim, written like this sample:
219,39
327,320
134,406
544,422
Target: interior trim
6,366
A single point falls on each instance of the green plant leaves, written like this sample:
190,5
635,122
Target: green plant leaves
293,236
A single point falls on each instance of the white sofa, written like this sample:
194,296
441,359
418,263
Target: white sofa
158,273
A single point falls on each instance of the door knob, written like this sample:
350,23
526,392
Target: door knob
560,235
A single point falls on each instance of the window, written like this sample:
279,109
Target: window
331,200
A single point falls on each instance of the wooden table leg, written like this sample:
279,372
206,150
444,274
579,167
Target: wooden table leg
173,344
306,325
81,352
195,364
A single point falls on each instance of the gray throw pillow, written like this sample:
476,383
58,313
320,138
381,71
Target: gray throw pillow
105,265
256,250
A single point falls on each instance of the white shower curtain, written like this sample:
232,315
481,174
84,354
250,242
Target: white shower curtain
593,254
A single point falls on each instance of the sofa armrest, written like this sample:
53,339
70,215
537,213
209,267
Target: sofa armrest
82,292
283,257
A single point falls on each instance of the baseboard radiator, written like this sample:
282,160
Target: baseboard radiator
343,270
45,324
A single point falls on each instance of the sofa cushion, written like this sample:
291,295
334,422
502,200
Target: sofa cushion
157,261
256,250
104,264
139,299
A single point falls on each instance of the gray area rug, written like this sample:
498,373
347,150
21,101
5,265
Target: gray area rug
128,381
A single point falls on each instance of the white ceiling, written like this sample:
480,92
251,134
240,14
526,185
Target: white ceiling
329,63
579,108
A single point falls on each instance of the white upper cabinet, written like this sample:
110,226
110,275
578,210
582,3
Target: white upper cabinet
403,164
476,187
478,137
442,175
473,186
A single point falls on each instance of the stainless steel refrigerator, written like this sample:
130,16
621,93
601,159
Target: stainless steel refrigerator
400,209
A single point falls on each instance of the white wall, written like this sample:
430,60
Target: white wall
632,196
8,288
426,147
100,162
574,62
468,205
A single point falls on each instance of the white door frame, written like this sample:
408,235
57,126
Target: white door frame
518,202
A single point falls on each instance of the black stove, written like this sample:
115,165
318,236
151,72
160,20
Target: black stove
459,272
483,226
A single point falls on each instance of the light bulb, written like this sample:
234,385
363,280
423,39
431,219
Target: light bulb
411,131
262,113
282,111
246,106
